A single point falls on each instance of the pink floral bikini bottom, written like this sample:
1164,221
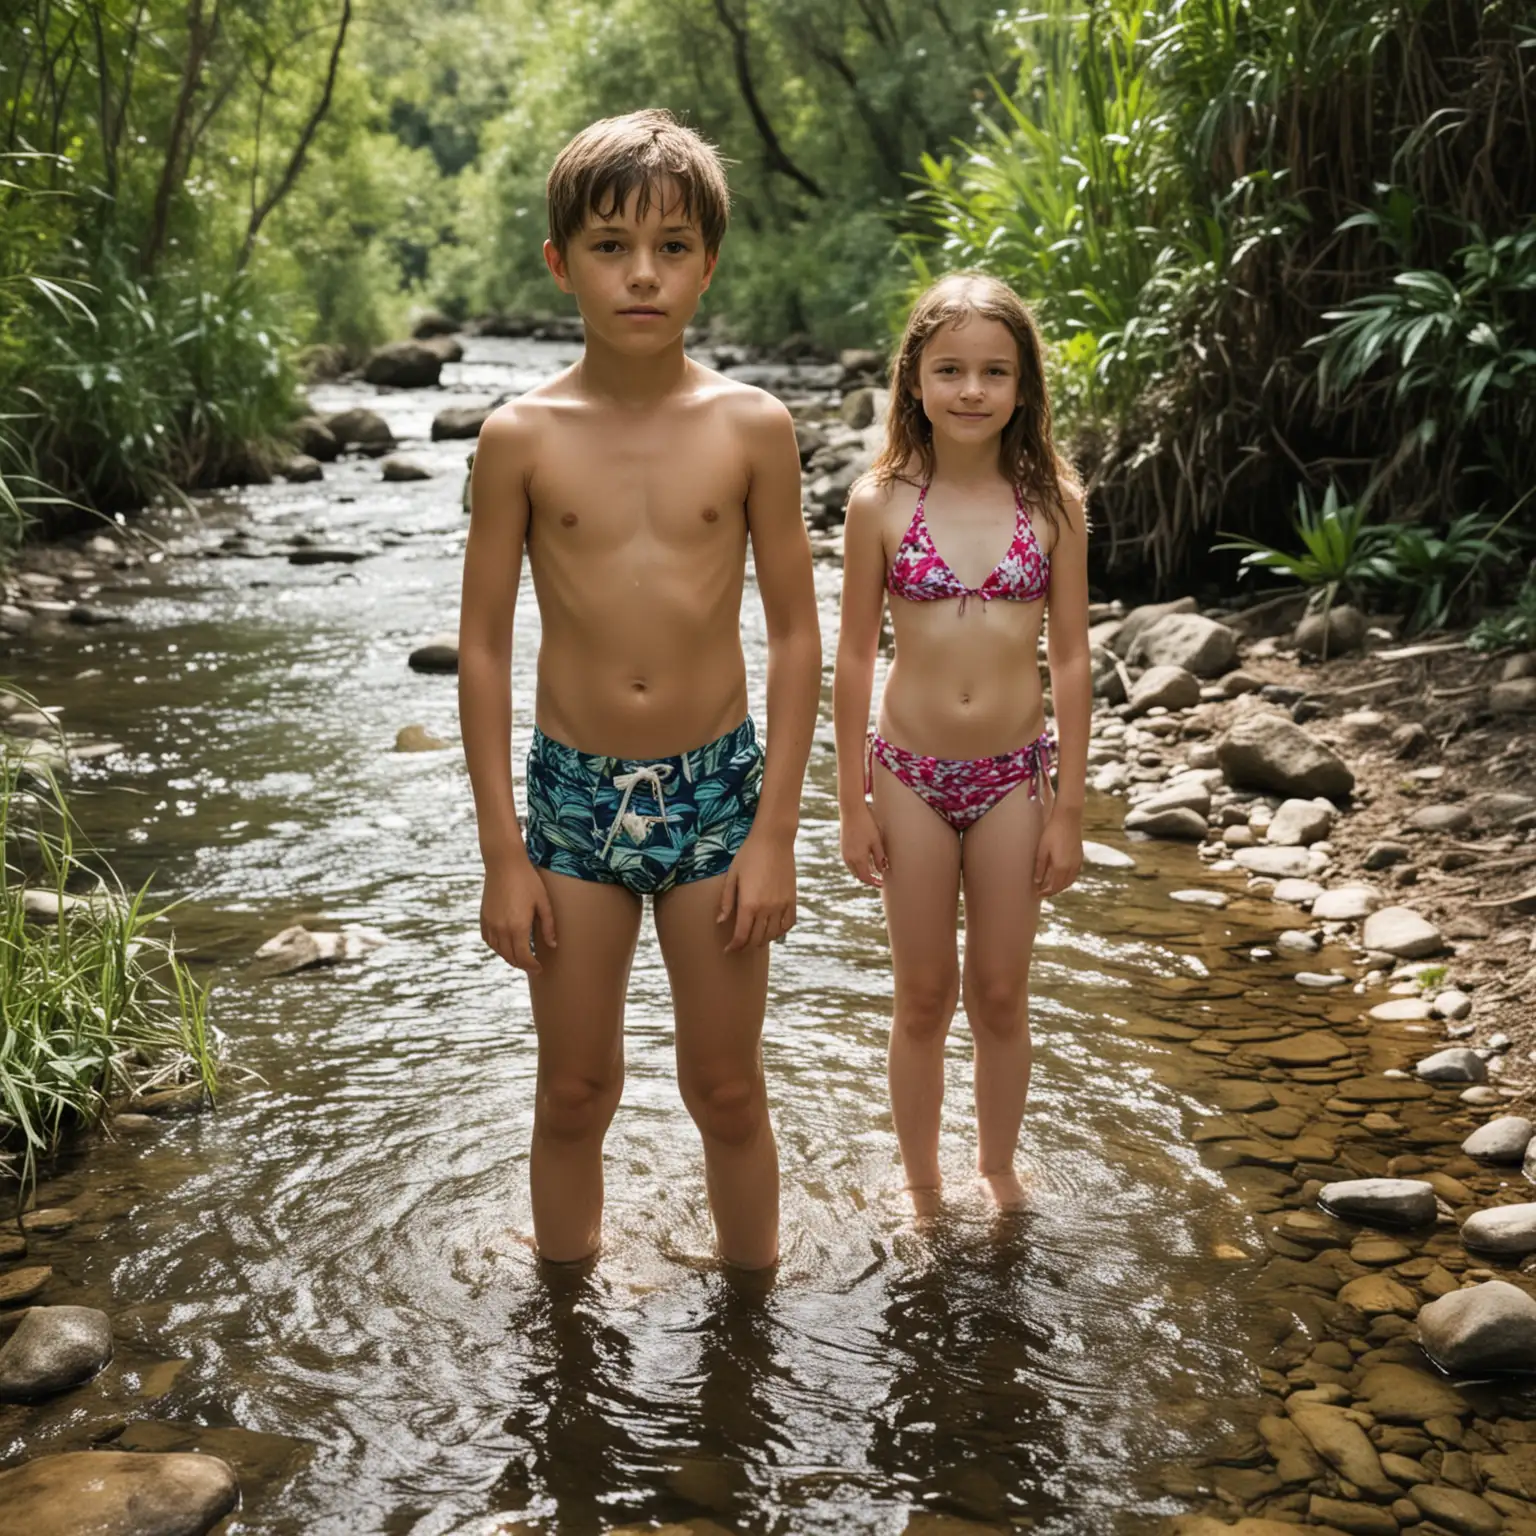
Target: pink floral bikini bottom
962,790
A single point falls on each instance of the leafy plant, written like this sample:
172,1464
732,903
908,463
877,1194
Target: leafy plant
1514,628
1339,549
1432,569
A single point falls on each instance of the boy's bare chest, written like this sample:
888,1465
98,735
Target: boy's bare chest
593,491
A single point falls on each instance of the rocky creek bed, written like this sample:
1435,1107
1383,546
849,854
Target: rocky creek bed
1357,835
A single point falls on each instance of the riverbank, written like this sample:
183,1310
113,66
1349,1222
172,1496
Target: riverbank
326,1260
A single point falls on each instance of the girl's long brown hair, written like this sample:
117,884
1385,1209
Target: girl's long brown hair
1027,455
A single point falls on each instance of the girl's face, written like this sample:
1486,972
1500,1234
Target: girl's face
968,379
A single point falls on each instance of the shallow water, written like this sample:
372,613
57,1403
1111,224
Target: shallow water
335,1252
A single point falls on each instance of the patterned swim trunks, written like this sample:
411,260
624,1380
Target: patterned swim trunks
644,824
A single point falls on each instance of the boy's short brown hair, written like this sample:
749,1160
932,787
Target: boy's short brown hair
609,160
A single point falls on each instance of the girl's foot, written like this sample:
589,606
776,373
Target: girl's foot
1007,1190
925,1201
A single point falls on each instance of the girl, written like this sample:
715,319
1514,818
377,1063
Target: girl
959,766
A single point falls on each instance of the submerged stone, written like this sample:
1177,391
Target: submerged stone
1487,1327
117,1493
1395,1202
54,1348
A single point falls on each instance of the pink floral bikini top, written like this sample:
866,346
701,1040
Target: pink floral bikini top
921,574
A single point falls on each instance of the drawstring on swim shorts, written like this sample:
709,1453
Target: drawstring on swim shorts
653,775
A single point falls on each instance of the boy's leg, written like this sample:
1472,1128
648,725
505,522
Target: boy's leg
1001,912
922,911
719,1000
578,1010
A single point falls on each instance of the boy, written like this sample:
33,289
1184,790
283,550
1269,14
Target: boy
634,481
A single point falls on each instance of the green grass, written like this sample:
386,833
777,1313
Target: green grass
95,1003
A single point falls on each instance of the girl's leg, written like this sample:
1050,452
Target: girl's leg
578,1010
1001,912
922,897
718,1001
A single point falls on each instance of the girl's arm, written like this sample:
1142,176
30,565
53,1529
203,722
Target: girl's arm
853,679
1061,847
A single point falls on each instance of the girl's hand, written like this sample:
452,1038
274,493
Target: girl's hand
1059,859
862,846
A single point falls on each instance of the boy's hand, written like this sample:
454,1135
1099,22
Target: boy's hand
1059,859
862,846
760,891
514,898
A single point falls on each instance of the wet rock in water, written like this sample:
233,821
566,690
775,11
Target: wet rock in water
1185,640
398,471
449,348
1297,892
1323,981
1316,1048
1166,687
54,1348
1248,1525
416,738
1451,1004
1457,1510
1380,1202
1169,822
1502,1140
1380,1250
1340,630
1487,1327
23,1284
361,429
1213,899
1138,620
1299,823
460,421
433,322
327,554
861,408
1400,931
1299,942
57,1219
1400,1394
1455,1064
299,949
1377,1295
1505,1229
1347,904
301,469
1276,863
117,1493
12,1245
1517,697
1102,856
439,654
1341,1442
1187,794
1267,751
1357,1519
314,439
404,365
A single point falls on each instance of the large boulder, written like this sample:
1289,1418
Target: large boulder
1269,752
448,348
1187,640
1487,1327
433,322
313,437
117,1493
1139,620
404,365
54,1348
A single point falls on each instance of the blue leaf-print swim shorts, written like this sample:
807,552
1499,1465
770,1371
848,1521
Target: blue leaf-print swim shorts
644,824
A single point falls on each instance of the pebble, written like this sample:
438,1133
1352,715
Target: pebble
1502,1140
1300,822
398,469
1238,836
1321,980
1376,1294
54,1348
416,738
1169,821
1457,1510
1102,856
1395,1202
1278,863
439,654
117,1493
1455,1064
23,1284
1401,1010
1491,1326
1506,1229
1299,893
56,1220
1481,1093
1441,818
1298,940
1200,898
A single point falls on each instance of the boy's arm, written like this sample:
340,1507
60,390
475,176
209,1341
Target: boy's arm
761,884
493,566
1071,697
853,680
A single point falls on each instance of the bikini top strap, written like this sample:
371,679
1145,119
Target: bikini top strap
917,521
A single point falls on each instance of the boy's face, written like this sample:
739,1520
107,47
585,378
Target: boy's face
637,280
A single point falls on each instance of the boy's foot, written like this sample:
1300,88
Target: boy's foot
1008,1190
